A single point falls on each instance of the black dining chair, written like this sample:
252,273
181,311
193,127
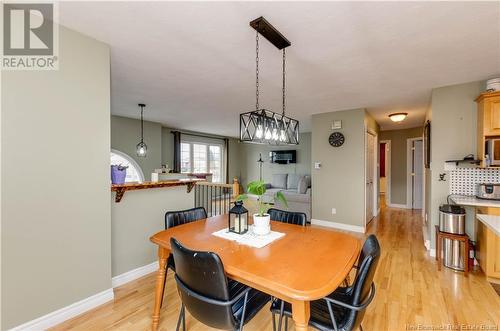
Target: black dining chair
287,216
345,308
209,295
175,218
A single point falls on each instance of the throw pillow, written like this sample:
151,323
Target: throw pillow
279,181
302,185
293,181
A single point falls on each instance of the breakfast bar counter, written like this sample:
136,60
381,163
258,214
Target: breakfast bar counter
120,189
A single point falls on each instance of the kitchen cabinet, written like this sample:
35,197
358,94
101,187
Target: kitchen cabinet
488,247
488,119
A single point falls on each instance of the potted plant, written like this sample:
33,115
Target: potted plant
118,173
261,220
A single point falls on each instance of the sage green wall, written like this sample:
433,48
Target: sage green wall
125,135
139,215
56,222
339,183
398,151
453,135
250,155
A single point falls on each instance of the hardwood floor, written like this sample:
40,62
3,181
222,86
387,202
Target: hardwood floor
410,291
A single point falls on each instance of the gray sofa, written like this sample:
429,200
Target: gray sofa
297,191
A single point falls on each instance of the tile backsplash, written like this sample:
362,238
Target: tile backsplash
463,180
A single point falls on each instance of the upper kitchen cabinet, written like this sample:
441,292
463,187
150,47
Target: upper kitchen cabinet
488,119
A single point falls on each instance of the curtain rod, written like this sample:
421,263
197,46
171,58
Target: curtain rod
199,135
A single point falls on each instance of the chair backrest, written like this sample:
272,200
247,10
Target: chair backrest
287,216
203,273
360,289
174,218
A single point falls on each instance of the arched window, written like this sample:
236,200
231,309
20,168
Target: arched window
134,172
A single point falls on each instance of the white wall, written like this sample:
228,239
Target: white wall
56,223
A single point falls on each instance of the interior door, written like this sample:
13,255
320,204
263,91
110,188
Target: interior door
369,169
417,174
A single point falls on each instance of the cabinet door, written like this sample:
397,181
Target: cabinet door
493,254
482,246
491,115
495,114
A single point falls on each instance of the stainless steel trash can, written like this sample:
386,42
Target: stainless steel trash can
452,220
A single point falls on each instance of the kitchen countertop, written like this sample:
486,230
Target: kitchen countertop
467,200
492,222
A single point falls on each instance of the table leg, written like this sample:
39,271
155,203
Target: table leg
160,282
300,314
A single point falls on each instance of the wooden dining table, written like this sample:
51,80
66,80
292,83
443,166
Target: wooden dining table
306,264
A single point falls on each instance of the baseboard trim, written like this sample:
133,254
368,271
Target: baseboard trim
65,313
134,274
396,205
340,226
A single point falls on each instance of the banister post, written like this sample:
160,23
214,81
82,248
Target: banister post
236,187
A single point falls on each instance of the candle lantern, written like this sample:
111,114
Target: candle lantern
238,218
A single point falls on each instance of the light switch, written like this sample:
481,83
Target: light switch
317,165
336,125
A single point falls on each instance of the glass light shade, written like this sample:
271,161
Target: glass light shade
141,149
282,136
398,117
275,134
268,134
238,218
259,133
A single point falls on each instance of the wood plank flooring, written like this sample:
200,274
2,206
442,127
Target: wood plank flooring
410,291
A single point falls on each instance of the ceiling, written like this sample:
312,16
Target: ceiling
193,63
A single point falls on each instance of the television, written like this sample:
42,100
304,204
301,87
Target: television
283,156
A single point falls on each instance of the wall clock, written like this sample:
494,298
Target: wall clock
336,139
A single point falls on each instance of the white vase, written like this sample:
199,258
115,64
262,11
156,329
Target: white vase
261,224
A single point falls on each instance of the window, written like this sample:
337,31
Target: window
134,172
185,157
199,157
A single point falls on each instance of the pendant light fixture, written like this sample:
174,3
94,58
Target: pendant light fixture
141,147
263,126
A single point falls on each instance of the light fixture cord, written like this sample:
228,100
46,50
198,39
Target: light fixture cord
257,71
142,124
284,86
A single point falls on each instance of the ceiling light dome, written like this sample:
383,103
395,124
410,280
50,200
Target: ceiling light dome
398,117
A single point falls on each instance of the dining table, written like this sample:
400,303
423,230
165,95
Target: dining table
305,264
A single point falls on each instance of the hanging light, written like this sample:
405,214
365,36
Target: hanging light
263,126
398,117
142,148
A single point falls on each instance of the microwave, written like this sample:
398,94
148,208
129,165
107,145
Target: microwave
493,151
